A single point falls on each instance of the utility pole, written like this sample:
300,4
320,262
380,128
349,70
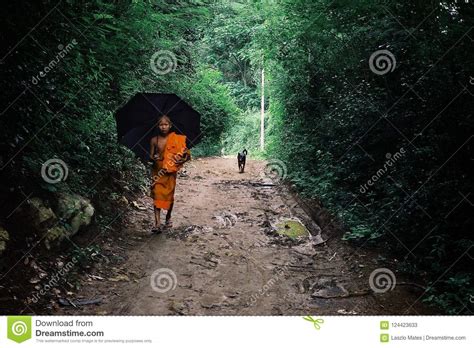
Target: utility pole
262,114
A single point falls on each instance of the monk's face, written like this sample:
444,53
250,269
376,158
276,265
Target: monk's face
164,126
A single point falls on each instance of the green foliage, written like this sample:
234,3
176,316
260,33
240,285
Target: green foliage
244,133
213,101
454,299
67,112
334,121
329,117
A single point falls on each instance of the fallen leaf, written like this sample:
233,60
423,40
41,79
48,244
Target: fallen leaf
137,206
96,277
120,277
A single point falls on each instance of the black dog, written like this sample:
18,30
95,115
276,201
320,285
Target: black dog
241,156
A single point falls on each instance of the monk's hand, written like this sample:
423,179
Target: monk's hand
179,159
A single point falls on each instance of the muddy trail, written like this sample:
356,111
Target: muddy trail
225,255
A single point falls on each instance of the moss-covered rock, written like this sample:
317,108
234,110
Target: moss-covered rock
54,235
71,212
74,210
38,213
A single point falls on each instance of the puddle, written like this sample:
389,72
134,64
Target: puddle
292,228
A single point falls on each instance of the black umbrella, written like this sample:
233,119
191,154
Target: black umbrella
136,121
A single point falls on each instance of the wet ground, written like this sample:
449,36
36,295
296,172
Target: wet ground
228,254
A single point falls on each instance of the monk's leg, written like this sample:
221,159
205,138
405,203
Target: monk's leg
168,215
157,217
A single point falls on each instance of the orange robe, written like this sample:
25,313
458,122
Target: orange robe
165,171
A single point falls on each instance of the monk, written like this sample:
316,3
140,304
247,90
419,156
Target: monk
169,152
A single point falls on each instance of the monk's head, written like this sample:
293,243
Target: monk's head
164,124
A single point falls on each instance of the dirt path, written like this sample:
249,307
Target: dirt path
221,261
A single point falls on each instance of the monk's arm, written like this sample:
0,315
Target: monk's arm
152,149
186,156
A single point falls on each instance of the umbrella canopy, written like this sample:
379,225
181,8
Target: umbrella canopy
136,121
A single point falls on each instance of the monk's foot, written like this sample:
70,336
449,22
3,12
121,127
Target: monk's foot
156,230
168,223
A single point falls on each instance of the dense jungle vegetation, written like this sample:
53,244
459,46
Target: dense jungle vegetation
368,109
